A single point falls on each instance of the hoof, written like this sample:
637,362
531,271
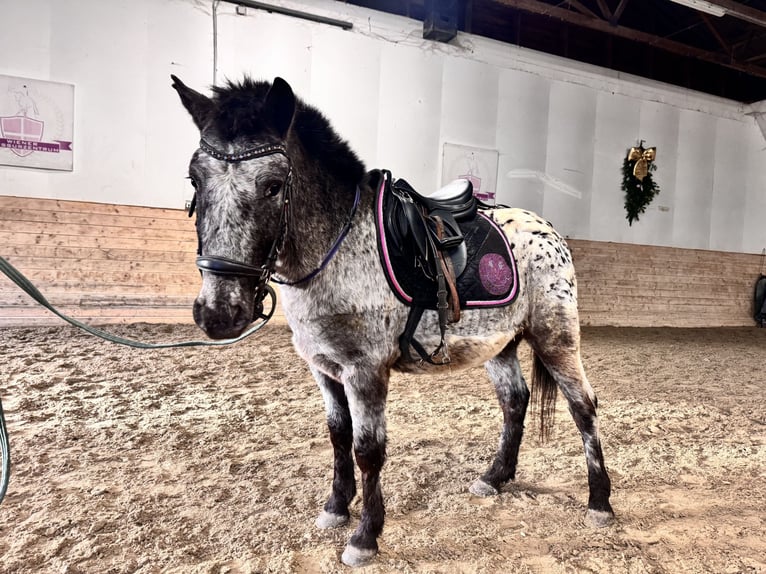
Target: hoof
353,556
600,518
329,520
481,488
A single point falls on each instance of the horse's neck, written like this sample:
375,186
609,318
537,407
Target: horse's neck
318,212
351,285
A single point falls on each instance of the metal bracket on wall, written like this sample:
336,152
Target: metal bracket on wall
290,12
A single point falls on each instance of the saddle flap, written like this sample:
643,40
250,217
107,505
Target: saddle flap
451,235
408,228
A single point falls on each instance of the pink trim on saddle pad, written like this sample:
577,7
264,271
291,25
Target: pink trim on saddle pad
384,246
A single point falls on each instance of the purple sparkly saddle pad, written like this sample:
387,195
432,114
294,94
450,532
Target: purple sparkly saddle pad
489,277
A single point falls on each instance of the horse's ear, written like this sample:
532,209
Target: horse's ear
198,105
280,105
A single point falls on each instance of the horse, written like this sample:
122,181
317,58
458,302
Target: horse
279,192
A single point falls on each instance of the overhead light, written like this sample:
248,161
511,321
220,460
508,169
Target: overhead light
703,6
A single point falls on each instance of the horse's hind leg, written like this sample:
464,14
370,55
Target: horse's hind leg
335,512
557,346
512,393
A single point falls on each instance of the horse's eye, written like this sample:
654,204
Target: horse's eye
273,188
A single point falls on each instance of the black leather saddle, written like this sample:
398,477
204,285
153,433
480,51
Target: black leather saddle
414,221
440,252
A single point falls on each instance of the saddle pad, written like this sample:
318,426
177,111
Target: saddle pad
490,278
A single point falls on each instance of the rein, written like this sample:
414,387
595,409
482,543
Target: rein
335,246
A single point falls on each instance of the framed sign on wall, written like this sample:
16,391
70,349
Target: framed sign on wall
36,123
478,165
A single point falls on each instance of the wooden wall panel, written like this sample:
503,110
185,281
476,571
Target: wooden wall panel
100,263
645,286
108,264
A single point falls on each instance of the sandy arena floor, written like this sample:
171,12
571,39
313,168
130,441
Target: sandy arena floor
218,461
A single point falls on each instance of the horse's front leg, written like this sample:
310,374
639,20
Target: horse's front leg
366,391
335,512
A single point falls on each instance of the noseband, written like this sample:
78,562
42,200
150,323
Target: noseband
224,266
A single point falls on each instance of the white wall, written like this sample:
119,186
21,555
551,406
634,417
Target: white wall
397,98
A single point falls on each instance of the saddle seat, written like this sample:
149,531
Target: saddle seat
457,188
456,198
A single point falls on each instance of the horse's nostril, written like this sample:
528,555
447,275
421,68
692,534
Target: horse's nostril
220,322
240,318
198,312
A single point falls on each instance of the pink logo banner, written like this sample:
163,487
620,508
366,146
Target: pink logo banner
51,147
36,123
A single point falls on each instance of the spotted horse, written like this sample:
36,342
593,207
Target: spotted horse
281,197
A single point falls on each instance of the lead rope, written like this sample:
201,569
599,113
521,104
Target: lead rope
26,285
5,455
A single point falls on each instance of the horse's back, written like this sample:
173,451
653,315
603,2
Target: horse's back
545,264
535,241
514,220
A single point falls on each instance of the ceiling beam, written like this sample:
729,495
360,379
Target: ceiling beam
618,13
718,38
582,9
605,11
749,41
543,9
741,11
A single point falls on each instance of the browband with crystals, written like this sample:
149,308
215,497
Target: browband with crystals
251,153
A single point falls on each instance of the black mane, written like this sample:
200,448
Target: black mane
237,113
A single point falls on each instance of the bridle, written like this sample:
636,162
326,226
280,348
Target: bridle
225,266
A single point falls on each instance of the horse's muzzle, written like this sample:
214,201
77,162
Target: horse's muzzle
221,321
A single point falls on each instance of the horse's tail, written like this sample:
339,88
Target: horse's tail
543,397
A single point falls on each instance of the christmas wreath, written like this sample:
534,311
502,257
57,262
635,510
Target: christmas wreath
637,182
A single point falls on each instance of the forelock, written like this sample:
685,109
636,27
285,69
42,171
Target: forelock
237,110
236,115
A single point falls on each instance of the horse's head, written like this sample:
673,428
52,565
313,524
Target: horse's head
241,176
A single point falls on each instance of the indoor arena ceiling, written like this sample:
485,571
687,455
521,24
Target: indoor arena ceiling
712,46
